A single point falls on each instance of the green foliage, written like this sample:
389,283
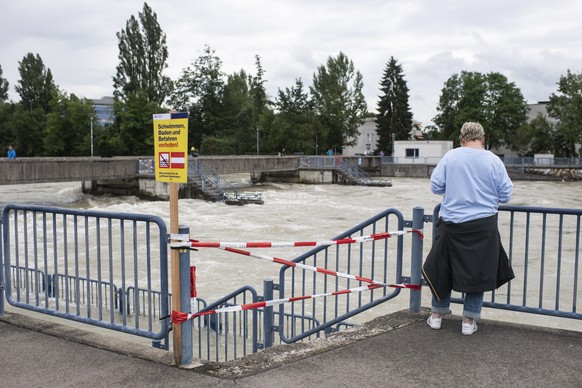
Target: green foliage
36,86
3,87
142,59
28,127
218,146
68,129
432,132
566,106
394,116
294,128
199,91
6,132
133,134
238,112
259,102
338,101
535,137
488,99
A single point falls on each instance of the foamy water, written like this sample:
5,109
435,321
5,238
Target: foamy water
291,212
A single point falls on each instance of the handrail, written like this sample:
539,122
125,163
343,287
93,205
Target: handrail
536,162
227,192
348,169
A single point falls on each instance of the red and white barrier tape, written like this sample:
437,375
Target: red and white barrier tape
231,247
193,291
313,269
179,317
183,241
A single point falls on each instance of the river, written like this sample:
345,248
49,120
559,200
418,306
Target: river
291,212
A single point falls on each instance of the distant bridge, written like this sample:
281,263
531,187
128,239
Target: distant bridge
75,169
126,168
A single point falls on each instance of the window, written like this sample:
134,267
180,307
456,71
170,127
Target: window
412,152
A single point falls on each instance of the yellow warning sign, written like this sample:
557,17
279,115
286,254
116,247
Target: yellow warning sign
171,147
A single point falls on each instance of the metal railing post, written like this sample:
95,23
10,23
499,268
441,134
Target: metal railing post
416,259
268,315
186,326
2,266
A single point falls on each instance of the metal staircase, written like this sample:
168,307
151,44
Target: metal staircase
353,175
215,188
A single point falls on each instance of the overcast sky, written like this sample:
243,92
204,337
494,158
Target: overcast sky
531,42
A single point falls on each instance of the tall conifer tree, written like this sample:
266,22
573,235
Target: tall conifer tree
394,119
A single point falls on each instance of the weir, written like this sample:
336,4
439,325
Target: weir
125,169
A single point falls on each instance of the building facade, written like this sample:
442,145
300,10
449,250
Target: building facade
103,108
366,140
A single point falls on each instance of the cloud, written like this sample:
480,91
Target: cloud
532,43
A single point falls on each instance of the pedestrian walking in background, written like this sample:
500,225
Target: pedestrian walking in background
11,153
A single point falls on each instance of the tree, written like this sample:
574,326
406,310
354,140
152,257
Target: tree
133,132
28,120
535,137
294,127
6,110
142,59
394,117
28,128
260,101
36,86
338,101
488,99
68,127
6,130
245,103
461,100
3,87
199,91
238,116
566,106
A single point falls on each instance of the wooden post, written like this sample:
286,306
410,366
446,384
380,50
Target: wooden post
175,259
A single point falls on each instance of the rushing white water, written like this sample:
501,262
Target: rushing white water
291,212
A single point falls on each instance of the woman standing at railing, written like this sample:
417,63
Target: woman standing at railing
467,255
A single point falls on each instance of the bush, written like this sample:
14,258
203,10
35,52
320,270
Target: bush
217,146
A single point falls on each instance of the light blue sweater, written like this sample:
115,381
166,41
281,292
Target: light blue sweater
473,182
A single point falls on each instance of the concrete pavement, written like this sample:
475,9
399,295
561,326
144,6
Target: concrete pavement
395,350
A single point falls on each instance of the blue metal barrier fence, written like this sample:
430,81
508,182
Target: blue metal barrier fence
543,245
77,264
102,269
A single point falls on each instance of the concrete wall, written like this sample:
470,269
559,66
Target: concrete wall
407,170
316,176
41,170
238,164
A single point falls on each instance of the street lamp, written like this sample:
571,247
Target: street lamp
257,141
91,136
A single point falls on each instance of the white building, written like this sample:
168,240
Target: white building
368,137
366,141
420,151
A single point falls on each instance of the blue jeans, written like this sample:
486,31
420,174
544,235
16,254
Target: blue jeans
471,309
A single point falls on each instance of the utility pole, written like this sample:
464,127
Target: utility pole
91,136
257,141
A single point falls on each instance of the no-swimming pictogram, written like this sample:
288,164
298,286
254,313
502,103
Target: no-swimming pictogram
164,160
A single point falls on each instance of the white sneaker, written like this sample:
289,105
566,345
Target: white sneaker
434,323
469,328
